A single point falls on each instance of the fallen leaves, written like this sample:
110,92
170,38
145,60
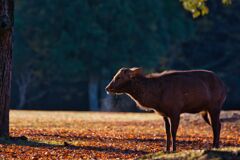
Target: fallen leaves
84,135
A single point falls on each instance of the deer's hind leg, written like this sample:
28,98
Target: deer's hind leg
216,126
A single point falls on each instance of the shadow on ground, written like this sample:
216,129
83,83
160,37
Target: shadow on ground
220,154
23,141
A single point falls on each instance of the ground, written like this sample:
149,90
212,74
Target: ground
229,153
76,135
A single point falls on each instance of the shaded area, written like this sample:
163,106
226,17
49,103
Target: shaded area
235,117
24,141
224,154
99,138
207,154
105,149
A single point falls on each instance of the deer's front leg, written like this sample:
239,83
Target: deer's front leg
167,128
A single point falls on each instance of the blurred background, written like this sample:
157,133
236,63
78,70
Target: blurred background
65,52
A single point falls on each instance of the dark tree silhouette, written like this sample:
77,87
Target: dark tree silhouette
6,29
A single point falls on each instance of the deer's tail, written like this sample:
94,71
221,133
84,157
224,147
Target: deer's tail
205,117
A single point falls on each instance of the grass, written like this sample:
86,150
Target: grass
230,153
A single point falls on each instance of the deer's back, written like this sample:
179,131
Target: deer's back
189,91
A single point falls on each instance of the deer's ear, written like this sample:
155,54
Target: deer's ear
124,69
136,71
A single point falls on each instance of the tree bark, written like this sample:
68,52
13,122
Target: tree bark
93,86
6,28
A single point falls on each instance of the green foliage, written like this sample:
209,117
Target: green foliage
215,41
215,46
85,37
61,42
199,7
227,2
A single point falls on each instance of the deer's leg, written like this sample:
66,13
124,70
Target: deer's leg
167,128
216,126
174,126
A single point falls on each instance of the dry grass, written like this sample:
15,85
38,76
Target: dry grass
230,153
76,135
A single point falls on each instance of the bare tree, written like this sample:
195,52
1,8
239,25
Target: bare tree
93,88
25,84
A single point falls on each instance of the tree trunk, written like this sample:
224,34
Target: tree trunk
93,86
22,98
6,28
107,103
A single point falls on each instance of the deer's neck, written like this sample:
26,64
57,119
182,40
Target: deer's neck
137,91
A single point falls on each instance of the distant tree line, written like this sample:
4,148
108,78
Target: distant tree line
215,46
66,52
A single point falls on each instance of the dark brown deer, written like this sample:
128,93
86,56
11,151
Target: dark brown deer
171,93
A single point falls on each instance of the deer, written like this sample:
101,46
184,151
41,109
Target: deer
171,93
